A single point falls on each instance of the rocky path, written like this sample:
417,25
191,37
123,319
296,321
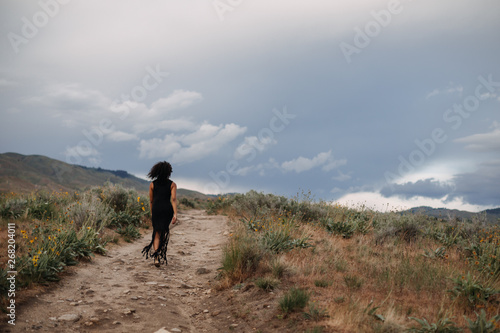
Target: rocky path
123,292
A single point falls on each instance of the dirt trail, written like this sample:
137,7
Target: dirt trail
123,292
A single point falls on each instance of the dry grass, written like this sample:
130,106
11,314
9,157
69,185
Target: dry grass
372,283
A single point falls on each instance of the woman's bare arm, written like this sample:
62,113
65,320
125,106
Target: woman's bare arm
173,199
151,186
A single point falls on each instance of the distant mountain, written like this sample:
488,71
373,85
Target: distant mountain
492,215
26,173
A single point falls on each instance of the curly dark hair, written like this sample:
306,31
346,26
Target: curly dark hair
160,171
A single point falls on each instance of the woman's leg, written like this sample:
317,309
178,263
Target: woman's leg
156,242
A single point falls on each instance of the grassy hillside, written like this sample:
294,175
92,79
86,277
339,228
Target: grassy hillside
55,230
333,268
23,174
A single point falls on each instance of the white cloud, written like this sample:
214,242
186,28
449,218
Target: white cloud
191,147
159,148
301,164
210,141
376,201
204,132
178,99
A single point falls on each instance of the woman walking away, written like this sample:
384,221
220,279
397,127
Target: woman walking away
163,203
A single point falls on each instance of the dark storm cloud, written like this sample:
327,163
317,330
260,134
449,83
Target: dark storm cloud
425,188
481,187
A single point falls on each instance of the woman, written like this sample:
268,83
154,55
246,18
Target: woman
163,203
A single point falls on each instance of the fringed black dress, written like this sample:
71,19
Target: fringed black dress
162,213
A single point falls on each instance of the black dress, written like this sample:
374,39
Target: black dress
162,213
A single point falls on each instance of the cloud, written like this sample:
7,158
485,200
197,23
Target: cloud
429,188
334,164
446,91
170,125
75,153
191,147
324,159
251,145
119,136
159,148
341,176
178,99
479,187
70,97
376,201
261,169
483,142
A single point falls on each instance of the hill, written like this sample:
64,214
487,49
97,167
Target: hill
491,215
25,173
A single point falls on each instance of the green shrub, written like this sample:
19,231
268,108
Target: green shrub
342,228
470,291
266,284
117,198
278,269
483,254
277,233
353,282
129,233
56,250
444,325
124,219
294,299
89,211
13,208
187,202
315,312
406,227
215,206
484,325
438,253
240,258
323,283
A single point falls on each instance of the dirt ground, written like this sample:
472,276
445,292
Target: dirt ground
123,292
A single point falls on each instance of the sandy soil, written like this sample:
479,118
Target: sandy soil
123,292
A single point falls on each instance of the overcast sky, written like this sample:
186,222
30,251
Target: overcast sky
384,103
